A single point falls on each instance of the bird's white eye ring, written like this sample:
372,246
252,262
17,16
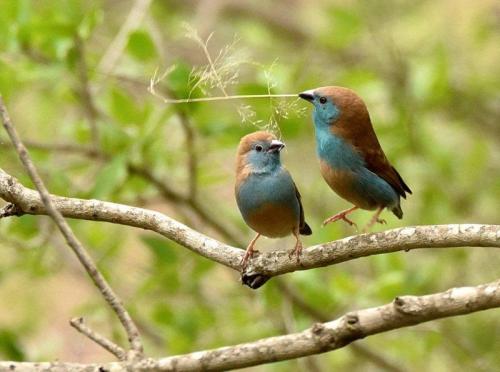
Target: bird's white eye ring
258,148
322,100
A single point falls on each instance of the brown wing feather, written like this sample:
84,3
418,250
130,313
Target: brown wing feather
304,228
377,162
361,135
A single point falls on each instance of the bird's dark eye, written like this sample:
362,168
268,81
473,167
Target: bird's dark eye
258,148
322,100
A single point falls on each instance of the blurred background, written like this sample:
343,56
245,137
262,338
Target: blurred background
75,76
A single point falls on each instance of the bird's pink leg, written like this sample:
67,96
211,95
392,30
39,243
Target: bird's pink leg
375,219
248,253
298,246
341,216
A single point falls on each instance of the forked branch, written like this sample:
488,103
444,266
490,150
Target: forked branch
270,264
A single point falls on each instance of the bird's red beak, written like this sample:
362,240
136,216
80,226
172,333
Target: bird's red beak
308,95
276,146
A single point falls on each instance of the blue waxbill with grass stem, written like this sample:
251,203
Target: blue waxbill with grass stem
352,161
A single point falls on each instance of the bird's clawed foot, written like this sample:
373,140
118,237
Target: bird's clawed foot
341,216
297,251
375,219
248,253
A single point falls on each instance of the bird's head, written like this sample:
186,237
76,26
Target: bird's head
335,106
261,151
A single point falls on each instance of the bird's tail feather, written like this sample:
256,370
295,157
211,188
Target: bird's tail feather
305,229
397,211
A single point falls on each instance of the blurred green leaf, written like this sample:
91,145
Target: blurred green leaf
163,250
110,178
10,346
90,22
123,107
141,46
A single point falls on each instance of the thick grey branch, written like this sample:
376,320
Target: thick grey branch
271,264
322,337
28,201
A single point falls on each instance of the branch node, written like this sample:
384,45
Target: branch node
352,318
399,301
11,209
325,337
318,328
352,330
406,305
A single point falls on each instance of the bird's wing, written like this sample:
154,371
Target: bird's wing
366,142
303,226
378,164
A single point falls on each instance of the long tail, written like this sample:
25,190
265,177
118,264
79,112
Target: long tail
397,211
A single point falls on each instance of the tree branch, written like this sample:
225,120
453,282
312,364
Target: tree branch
99,339
270,264
360,349
29,202
322,337
85,259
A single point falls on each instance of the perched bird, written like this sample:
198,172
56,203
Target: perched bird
351,159
265,192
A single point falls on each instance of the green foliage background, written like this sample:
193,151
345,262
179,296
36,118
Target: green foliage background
428,71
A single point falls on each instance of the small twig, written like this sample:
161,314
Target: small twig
85,259
192,162
99,339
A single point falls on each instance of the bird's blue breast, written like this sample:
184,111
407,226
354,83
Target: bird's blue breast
335,151
259,189
274,192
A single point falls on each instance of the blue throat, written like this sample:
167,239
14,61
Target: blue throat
332,149
264,163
